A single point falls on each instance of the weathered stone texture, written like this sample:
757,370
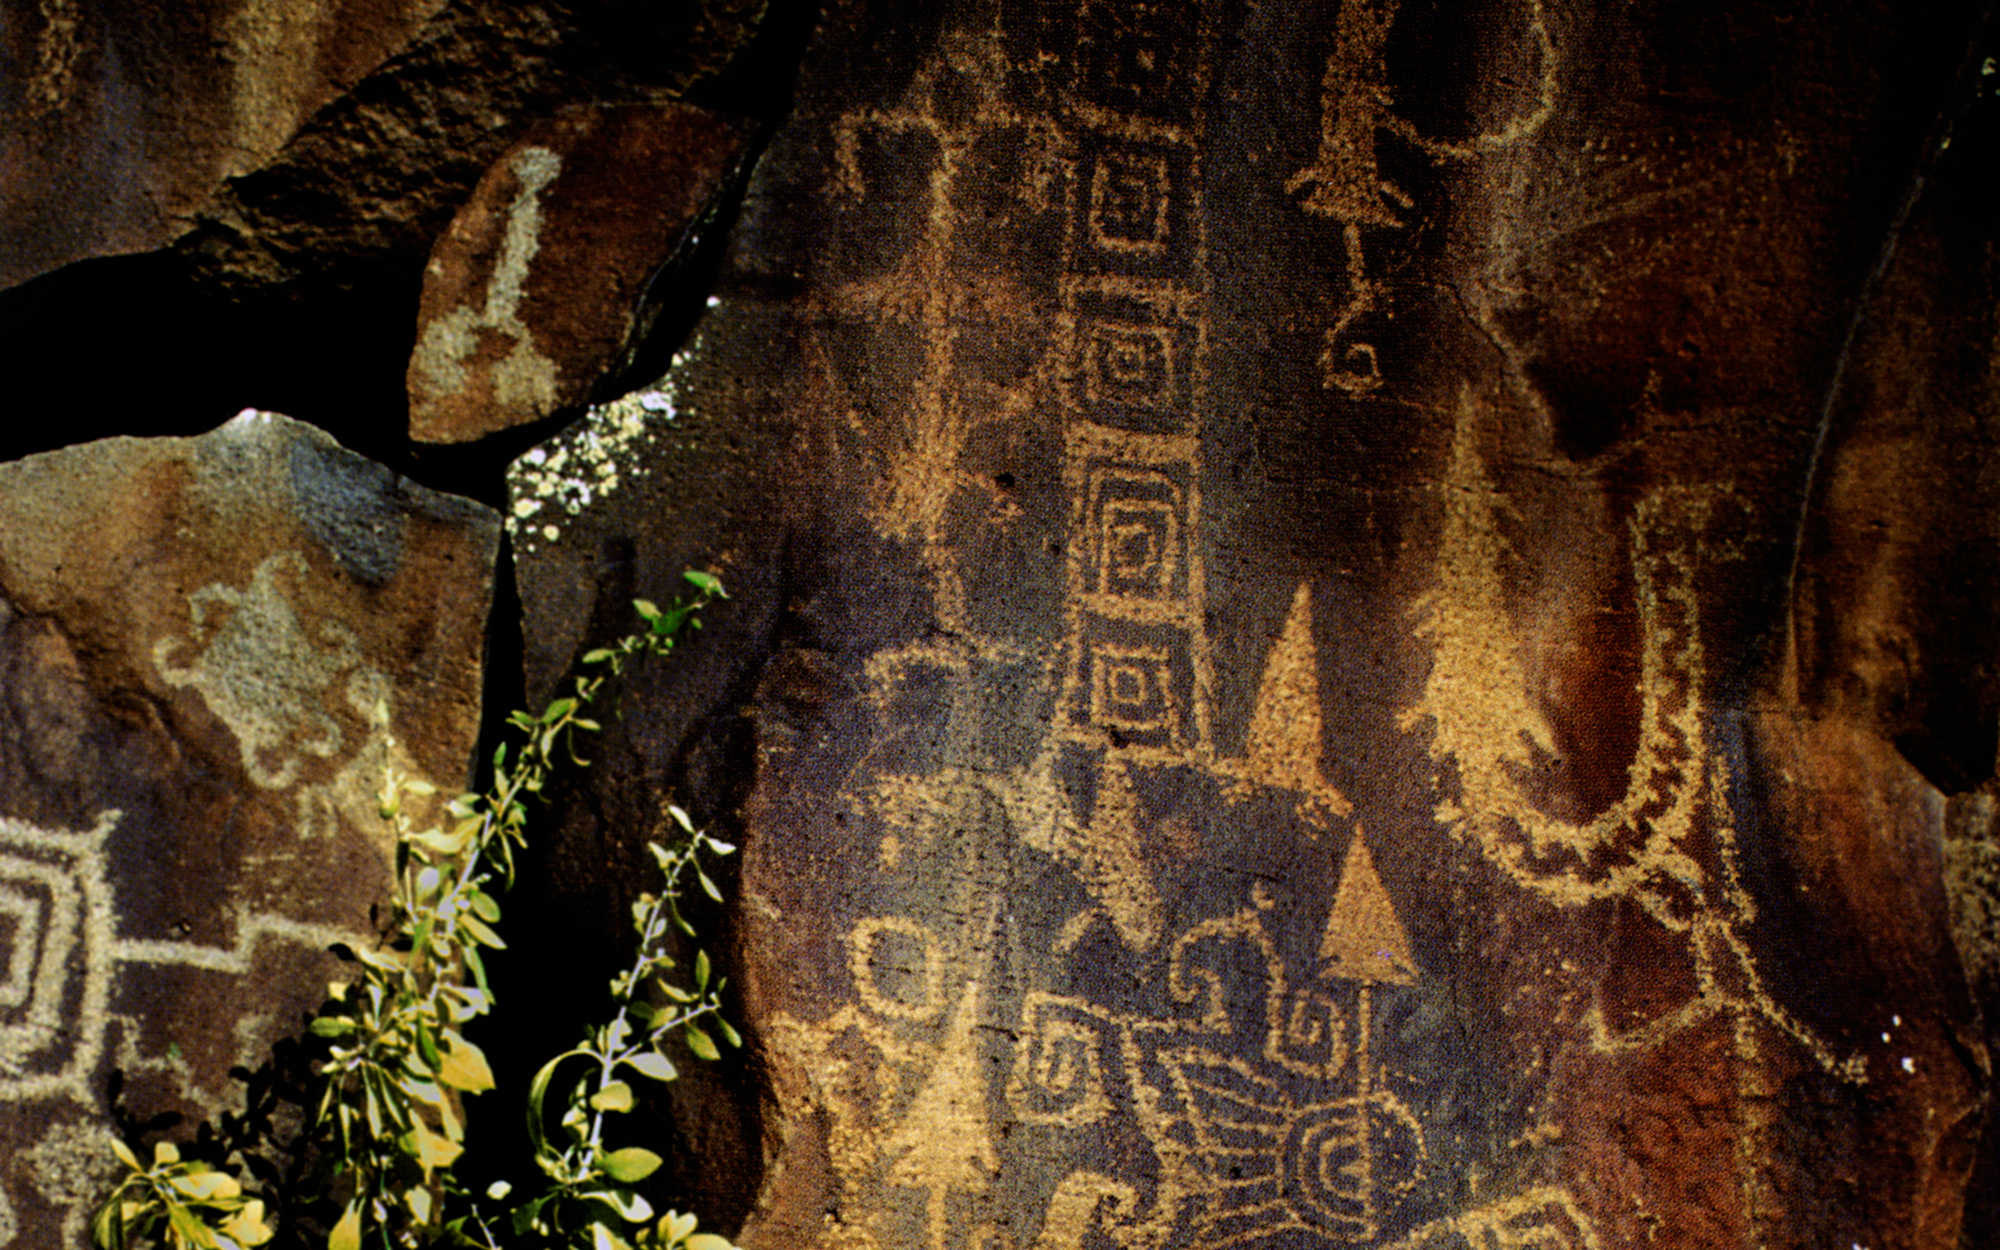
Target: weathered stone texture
280,142
123,120
211,650
1359,626
536,290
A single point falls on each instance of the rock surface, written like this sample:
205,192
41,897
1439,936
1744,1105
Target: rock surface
288,142
124,120
536,290
210,650
1353,628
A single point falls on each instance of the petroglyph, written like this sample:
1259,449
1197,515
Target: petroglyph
1488,733
1345,184
257,669
59,942
1277,1123
1545,1218
52,1033
71,1168
524,379
942,1145
1285,745
53,81
269,681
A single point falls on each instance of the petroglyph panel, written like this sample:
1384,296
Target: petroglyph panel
1262,735
213,648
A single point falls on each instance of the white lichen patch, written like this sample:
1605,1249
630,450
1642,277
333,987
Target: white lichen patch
588,461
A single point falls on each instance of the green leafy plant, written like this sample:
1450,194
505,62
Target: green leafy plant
398,1062
189,1204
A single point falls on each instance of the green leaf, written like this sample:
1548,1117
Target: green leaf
707,583
478,968
437,842
432,1151
700,1043
623,1203
125,1155
598,656
676,1228
486,907
480,933
346,1235
464,1066
199,1184
538,1091
616,1096
708,887
557,710
709,1241
107,1228
653,1064
189,1227
729,1033
701,969
602,1238
634,1163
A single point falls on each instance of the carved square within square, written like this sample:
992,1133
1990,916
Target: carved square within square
1128,364
1137,533
1131,195
45,1015
1131,691
1140,547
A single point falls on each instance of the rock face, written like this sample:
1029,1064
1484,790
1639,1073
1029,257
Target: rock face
276,143
535,292
125,120
210,651
1336,636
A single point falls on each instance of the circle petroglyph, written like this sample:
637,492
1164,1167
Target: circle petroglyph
898,968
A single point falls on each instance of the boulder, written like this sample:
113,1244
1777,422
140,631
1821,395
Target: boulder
123,121
281,144
1353,629
213,649
537,289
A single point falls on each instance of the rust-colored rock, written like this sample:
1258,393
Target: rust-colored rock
1368,626
210,651
122,121
537,289
280,144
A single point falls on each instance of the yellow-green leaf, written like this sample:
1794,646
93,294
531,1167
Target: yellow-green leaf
701,1044
433,1151
617,1096
602,1238
634,1163
346,1235
189,1228
247,1227
709,1241
477,928
465,1066
653,1064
